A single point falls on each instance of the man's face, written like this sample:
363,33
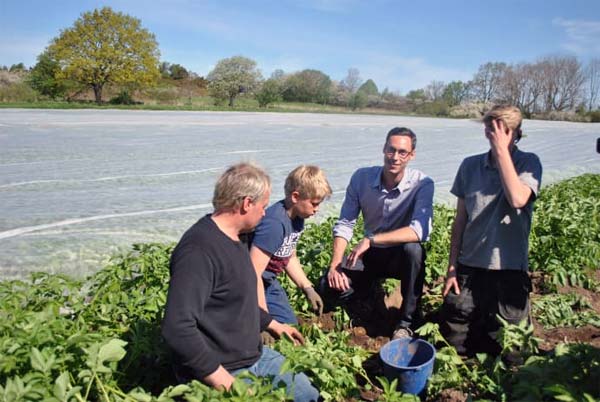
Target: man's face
397,152
256,210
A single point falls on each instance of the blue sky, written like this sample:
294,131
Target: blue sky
401,45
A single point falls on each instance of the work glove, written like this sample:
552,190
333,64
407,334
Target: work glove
315,300
267,338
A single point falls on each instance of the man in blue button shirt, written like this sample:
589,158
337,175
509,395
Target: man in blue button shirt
397,206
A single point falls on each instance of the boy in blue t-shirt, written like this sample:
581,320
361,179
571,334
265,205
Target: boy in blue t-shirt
273,247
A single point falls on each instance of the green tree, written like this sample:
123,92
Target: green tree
106,47
16,68
308,86
43,77
358,100
178,72
369,88
455,93
416,95
270,91
231,77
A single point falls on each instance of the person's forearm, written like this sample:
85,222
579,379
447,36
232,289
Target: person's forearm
516,192
296,273
398,236
260,260
458,228
339,247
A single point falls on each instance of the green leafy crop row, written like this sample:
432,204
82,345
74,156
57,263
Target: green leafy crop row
99,339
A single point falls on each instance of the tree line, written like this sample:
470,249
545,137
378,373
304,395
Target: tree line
107,48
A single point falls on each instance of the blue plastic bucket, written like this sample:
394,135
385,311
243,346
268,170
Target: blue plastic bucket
410,361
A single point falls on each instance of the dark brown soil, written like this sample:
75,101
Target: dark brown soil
452,395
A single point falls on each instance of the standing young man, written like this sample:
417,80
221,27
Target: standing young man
274,243
397,206
212,320
487,270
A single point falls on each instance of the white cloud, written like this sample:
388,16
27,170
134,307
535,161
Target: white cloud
583,37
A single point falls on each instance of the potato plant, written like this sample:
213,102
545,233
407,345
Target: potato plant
98,339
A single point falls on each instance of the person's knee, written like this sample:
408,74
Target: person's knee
413,251
303,389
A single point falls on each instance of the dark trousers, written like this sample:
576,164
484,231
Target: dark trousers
468,320
405,262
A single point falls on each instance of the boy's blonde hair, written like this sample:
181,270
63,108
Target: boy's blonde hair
309,181
510,115
238,182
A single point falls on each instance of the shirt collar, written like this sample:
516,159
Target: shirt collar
487,162
404,184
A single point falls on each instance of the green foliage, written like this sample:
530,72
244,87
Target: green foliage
565,236
105,47
435,108
357,100
369,88
438,247
19,67
594,116
98,339
123,98
331,363
416,96
455,92
43,77
571,373
18,92
307,86
564,310
270,92
517,339
231,77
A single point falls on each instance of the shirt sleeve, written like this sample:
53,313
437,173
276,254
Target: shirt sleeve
269,235
458,188
422,214
192,279
265,319
531,173
349,214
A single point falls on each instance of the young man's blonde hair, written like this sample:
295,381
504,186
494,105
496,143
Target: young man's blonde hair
238,182
510,115
309,181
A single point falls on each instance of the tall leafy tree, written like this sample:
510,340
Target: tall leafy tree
231,77
43,77
308,86
106,47
369,88
455,93
269,92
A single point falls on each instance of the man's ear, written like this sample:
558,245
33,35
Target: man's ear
295,197
245,206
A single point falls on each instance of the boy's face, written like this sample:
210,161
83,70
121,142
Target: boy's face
305,207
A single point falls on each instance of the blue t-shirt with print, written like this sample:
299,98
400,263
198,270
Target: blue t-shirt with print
278,234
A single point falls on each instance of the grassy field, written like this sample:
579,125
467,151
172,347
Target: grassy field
205,103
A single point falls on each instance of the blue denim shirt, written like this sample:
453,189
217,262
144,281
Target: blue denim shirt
410,204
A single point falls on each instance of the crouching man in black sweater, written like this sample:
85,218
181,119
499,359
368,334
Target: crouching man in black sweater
212,320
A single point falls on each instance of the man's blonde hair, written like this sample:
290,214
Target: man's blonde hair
309,181
238,182
510,115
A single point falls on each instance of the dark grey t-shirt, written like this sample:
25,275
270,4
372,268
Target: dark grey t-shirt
496,235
